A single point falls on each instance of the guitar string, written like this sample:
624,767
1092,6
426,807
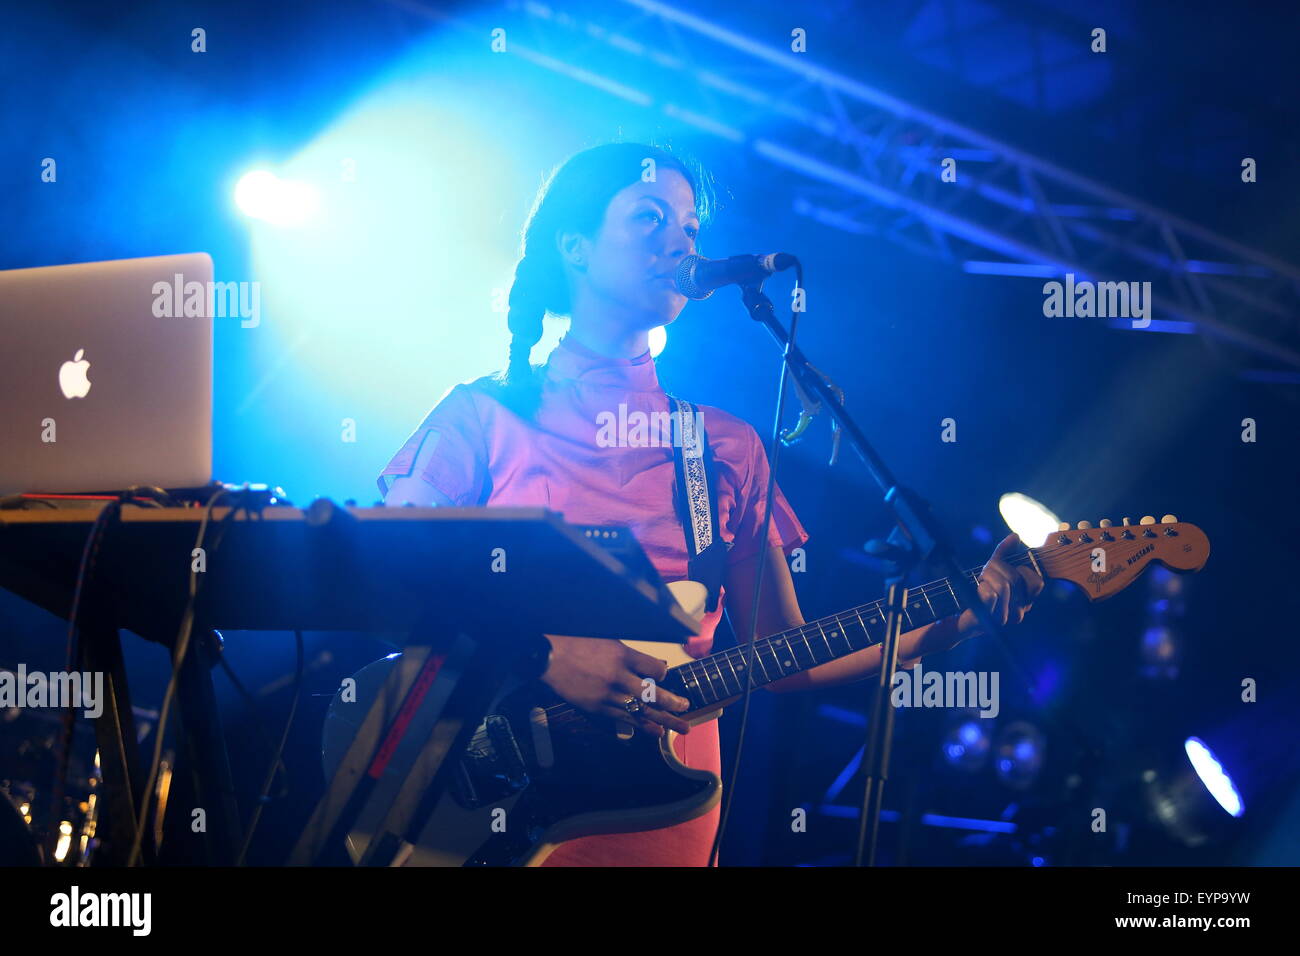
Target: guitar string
698,668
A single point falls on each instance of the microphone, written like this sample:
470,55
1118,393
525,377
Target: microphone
697,277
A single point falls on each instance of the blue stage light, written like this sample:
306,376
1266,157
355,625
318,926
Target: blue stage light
966,745
1020,754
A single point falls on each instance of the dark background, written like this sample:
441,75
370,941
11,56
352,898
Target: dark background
1096,422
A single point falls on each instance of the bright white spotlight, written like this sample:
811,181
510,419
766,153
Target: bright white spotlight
1030,519
1213,775
281,202
658,339
254,192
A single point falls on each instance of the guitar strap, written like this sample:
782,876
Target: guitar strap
695,496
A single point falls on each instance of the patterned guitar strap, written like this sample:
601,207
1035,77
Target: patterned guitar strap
695,495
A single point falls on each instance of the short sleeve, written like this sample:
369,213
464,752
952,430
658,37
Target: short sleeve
448,451
786,531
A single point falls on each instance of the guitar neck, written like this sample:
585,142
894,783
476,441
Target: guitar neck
721,676
1100,561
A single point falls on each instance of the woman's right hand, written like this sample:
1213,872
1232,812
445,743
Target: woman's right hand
599,676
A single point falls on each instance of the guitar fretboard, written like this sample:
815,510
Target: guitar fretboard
720,676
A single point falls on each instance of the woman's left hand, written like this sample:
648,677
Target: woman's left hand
1007,590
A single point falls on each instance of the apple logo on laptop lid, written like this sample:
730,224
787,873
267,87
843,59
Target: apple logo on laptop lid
72,376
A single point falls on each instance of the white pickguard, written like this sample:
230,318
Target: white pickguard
692,596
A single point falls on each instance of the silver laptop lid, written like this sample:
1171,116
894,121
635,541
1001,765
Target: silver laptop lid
105,382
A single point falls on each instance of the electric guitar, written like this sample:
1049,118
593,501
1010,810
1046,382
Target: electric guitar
538,771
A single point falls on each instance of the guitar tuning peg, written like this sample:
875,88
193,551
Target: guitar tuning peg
1168,519
1148,519
1127,521
1085,525
1064,526
1104,523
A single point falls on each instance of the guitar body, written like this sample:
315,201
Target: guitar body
530,781
539,772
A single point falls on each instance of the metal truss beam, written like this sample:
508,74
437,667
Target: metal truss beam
865,162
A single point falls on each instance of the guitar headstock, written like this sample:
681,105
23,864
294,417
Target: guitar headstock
1108,558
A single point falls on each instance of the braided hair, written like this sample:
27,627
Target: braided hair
573,198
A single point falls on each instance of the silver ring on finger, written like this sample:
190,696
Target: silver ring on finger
633,706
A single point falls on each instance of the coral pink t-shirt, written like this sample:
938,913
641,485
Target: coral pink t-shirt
487,455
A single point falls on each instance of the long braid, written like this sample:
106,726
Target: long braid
528,305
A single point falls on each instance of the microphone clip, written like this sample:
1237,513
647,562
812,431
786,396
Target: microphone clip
810,407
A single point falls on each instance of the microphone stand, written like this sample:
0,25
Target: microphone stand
916,538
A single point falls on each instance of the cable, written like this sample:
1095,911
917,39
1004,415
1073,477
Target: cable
275,760
763,549
251,702
179,649
20,503
158,497
89,552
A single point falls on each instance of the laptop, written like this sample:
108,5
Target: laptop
105,382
